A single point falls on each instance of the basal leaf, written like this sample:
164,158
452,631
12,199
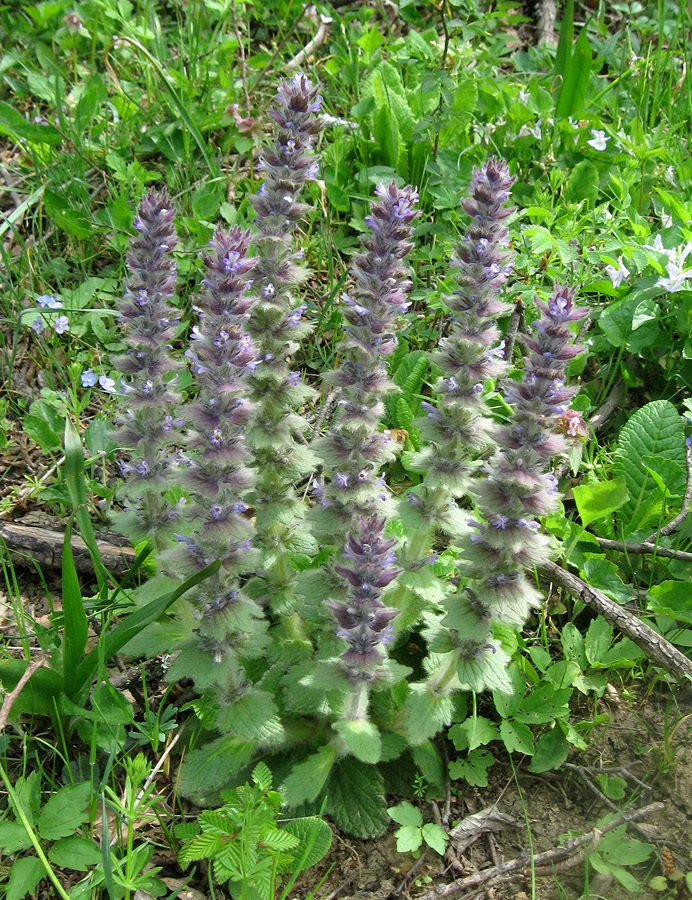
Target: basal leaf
64,812
362,739
75,853
307,778
209,767
314,836
25,874
356,799
426,713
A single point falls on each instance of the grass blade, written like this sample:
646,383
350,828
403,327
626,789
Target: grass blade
577,74
564,46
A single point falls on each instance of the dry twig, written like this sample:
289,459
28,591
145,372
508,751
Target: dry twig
10,698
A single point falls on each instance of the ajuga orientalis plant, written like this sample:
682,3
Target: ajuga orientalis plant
294,644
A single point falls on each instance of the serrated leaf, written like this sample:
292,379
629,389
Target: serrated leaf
406,814
362,739
428,760
393,745
209,767
25,874
404,416
408,839
262,776
13,837
654,430
488,671
356,799
64,812
436,837
75,853
279,840
426,713
254,717
307,779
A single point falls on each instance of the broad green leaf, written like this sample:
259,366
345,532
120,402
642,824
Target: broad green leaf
254,716
307,778
315,837
473,769
473,732
573,644
617,323
25,874
356,799
668,475
28,795
583,183
406,814
16,126
655,430
544,704
13,837
613,787
428,760
408,839
38,694
563,53
551,751
596,501
622,850
602,574
426,713
64,812
362,739
371,40
516,737
40,431
209,767
436,837
671,598
404,415
75,853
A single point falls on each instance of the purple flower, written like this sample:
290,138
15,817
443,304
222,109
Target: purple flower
50,301
61,324
107,384
38,324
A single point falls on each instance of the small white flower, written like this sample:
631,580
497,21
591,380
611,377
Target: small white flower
666,220
657,245
108,384
676,279
524,96
535,131
618,274
599,141
670,175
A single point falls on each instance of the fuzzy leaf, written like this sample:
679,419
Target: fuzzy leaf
209,767
254,716
362,739
426,757
307,779
356,799
426,713
310,832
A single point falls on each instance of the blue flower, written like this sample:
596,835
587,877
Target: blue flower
61,324
51,301
89,379
107,384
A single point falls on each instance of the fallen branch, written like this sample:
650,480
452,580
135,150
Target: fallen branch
657,648
644,547
28,544
542,862
311,46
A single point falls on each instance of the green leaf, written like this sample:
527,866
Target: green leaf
356,799
473,732
583,183
603,574
39,694
307,778
488,671
75,853
315,837
576,80
516,737
406,814
262,776
566,39
617,848
598,639
16,126
408,839
671,598
28,795
69,219
426,713
275,839
436,837
612,786
209,767
254,716
668,475
404,416
595,501
362,739
473,769
428,760
655,430
64,812
40,432
13,837
75,618
551,751
544,704
25,874
371,40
